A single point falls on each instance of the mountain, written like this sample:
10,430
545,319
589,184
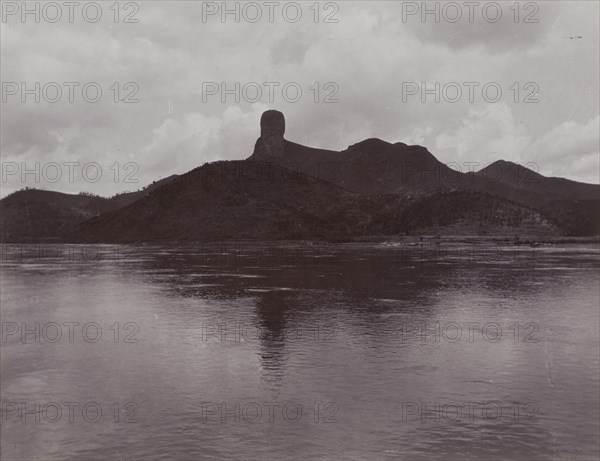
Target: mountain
374,166
529,181
34,215
223,200
570,205
125,198
285,190
39,215
370,167
262,200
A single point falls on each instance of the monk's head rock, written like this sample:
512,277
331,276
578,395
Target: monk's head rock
272,129
272,123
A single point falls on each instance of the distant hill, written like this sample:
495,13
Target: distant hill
286,190
572,206
34,215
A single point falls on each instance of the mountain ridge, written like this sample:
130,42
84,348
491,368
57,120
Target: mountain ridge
285,190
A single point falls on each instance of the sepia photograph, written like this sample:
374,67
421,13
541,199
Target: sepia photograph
300,230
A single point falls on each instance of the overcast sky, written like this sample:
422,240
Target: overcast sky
367,54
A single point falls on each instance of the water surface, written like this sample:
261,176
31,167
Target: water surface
325,352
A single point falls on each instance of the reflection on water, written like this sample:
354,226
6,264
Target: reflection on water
354,351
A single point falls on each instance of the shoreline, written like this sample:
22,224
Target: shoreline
422,239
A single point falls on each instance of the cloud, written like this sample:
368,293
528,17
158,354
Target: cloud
498,27
362,61
571,149
486,135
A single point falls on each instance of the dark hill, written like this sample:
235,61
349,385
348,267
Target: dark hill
238,199
527,180
573,206
261,200
370,167
34,215
124,199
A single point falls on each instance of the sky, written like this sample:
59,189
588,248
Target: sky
170,73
